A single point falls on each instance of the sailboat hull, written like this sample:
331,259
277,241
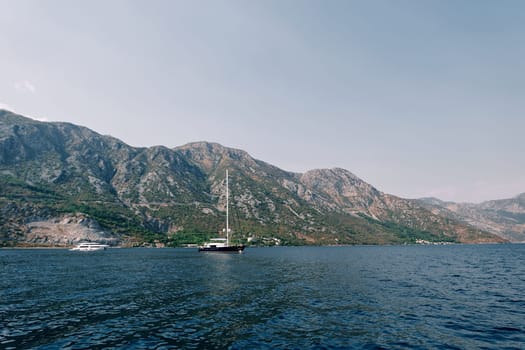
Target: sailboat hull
228,249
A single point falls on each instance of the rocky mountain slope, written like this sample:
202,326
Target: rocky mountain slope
61,183
505,217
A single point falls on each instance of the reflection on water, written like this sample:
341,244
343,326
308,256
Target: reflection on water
360,297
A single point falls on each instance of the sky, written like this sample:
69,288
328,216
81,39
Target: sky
419,98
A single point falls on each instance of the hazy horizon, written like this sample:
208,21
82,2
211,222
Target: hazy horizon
419,99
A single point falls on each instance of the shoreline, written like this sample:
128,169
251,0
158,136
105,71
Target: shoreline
280,246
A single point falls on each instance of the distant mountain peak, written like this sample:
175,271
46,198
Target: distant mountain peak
214,148
336,172
211,155
504,217
432,200
521,196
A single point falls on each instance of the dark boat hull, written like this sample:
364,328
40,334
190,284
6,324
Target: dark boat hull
230,249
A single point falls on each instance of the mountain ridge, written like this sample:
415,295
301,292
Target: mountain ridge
504,217
55,171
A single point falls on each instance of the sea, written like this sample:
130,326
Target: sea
356,297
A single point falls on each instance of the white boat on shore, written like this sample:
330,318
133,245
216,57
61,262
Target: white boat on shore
89,247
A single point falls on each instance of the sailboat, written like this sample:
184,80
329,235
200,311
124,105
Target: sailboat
222,245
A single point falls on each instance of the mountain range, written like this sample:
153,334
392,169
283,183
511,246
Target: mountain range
61,183
504,217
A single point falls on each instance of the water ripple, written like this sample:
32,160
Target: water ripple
451,297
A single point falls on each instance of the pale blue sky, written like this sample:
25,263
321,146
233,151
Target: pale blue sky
418,98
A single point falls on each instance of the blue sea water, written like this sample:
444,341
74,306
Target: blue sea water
380,297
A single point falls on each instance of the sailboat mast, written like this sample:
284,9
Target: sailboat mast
227,205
